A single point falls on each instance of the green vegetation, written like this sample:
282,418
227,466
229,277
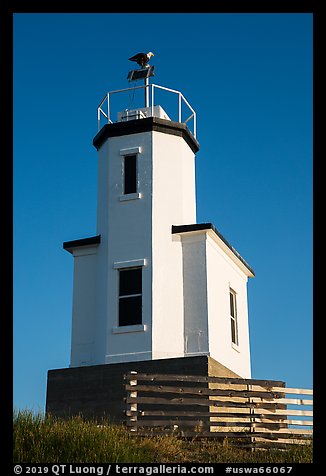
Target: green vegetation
39,439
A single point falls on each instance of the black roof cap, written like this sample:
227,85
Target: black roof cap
147,124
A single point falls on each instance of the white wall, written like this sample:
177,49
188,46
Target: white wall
174,203
210,270
100,309
141,229
223,274
84,303
195,294
126,227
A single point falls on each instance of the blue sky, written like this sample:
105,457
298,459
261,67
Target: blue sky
249,78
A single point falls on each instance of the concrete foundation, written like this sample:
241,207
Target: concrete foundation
98,391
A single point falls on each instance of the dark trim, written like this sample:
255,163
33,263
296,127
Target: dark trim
147,124
176,229
70,245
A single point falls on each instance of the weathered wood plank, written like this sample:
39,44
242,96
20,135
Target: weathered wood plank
300,422
281,412
288,401
259,388
204,379
297,440
259,385
217,403
298,391
276,444
264,421
132,394
194,401
204,424
226,434
292,431
261,412
232,419
204,391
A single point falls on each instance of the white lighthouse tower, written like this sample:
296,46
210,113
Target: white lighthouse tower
152,283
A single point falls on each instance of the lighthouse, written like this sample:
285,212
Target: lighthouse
152,284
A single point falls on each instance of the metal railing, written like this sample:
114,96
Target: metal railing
182,102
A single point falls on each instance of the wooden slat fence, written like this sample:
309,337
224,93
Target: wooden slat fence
248,412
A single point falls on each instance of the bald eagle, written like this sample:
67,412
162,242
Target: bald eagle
142,59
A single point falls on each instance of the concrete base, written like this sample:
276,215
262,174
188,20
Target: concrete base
98,391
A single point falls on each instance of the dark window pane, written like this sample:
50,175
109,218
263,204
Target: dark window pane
130,281
233,332
130,311
130,174
232,305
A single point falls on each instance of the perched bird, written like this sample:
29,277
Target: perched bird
142,59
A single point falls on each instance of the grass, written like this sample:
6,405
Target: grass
39,439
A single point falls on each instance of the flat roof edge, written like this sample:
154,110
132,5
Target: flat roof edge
91,241
178,229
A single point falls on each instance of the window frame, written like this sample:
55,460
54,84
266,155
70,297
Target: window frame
134,172
130,296
120,265
233,318
124,153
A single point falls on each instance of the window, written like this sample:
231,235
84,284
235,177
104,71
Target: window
234,318
130,296
130,174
